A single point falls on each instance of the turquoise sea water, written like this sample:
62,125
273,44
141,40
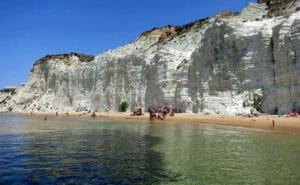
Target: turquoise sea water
83,151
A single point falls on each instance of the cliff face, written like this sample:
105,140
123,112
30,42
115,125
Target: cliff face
227,64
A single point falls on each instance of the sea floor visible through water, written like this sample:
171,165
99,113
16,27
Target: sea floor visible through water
69,150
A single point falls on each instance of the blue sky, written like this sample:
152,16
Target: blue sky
31,29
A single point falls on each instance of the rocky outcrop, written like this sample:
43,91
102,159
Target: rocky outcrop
81,57
227,64
281,7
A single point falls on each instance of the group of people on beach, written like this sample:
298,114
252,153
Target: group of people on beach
293,114
161,113
156,113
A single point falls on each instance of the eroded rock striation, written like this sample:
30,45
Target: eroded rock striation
232,63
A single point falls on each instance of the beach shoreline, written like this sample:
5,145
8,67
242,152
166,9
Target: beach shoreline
264,122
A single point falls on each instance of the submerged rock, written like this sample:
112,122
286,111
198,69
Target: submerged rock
227,64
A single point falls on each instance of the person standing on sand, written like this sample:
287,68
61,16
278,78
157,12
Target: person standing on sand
46,117
152,114
165,112
161,113
56,113
93,115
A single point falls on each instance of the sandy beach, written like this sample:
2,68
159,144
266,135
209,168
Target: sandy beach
265,122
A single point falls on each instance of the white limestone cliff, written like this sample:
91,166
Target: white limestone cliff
227,64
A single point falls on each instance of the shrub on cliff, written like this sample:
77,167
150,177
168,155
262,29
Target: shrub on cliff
123,107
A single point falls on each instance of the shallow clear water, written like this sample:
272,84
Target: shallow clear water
81,151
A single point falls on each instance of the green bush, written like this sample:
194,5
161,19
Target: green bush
123,106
